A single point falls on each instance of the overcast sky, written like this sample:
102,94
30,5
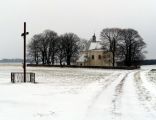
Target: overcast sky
83,17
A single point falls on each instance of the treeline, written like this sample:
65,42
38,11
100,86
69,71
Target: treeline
48,48
148,62
11,60
126,45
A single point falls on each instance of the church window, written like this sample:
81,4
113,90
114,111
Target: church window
99,57
93,57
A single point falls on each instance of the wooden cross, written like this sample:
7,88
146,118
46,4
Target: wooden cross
24,37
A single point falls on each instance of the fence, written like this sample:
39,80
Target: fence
18,77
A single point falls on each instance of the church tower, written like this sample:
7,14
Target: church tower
94,38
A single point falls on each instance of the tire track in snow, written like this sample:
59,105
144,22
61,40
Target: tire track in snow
151,77
107,83
116,102
146,99
97,108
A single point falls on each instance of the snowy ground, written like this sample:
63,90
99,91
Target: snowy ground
79,94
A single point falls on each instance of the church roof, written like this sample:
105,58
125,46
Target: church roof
95,45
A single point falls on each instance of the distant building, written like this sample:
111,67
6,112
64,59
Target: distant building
94,55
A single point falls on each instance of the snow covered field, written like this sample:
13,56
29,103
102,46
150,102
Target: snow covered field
79,94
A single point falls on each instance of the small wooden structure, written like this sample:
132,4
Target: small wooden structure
18,77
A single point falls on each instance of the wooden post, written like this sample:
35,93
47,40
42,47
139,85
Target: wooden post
24,62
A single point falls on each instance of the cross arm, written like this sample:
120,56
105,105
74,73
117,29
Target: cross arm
24,33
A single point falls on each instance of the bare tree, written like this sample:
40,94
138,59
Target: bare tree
43,45
50,38
131,46
83,44
71,46
47,46
110,38
61,49
34,53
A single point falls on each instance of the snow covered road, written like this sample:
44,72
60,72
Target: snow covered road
78,94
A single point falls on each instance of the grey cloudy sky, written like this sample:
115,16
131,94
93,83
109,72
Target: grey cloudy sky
83,17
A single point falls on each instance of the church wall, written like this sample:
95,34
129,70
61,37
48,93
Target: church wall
99,58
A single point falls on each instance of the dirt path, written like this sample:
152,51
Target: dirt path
106,83
101,105
116,102
147,100
123,97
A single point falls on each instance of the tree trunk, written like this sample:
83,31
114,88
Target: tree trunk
43,58
114,49
52,59
113,59
60,62
129,58
68,60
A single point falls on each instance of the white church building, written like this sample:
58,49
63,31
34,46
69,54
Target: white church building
94,55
